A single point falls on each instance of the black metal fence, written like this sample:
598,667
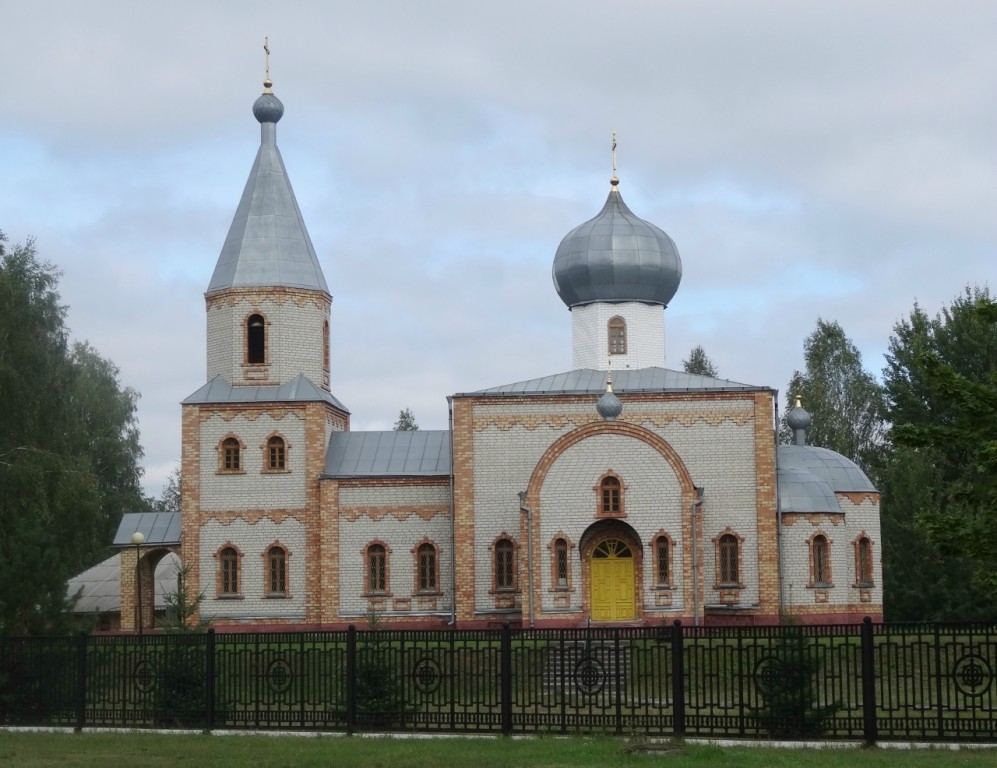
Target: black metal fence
870,681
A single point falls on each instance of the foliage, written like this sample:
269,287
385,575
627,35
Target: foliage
379,686
787,688
846,403
169,500
406,421
941,377
69,451
184,606
699,363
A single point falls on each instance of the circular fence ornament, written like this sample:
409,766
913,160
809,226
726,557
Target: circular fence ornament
427,675
590,676
143,676
972,675
279,676
768,671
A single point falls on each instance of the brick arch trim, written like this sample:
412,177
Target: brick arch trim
559,446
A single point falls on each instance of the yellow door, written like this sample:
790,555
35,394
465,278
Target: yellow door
612,575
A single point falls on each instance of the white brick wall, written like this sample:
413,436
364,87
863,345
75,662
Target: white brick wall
253,540
645,326
253,488
294,338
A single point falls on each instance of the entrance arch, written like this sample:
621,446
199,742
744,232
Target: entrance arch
612,559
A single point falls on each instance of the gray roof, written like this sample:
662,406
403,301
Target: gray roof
268,244
158,528
810,476
615,257
299,389
420,453
591,381
100,587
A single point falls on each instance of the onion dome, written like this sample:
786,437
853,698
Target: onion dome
798,419
268,108
609,405
616,257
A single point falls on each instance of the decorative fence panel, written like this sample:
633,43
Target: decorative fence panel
912,682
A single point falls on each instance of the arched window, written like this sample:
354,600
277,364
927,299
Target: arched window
505,565
820,561
228,572
256,348
426,573
617,336
377,569
276,571
863,562
561,563
611,495
231,455
276,459
728,566
325,346
662,561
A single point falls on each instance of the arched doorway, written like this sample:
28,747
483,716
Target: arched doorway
612,579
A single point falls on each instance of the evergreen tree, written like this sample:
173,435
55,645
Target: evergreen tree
698,362
941,377
406,421
69,448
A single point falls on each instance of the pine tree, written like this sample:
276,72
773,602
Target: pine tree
406,421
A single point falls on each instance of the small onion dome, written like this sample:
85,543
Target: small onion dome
798,419
268,108
616,257
609,405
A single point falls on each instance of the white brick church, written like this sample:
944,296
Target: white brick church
562,501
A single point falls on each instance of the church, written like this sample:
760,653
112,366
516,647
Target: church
618,493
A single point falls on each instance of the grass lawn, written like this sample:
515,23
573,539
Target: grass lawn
148,750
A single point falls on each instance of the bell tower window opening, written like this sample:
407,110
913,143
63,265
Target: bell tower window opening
617,336
256,349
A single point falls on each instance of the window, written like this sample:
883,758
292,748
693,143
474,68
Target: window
863,562
426,574
255,340
611,495
662,561
276,459
617,336
325,346
561,563
820,561
505,565
229,567
377,568
231,454
276,571
728,559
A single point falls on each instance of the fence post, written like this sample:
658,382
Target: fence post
505,678
868,684
678,680
81,680
209,679
351,678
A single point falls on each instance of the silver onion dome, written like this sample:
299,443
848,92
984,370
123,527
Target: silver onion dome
268,108
609,406
616,257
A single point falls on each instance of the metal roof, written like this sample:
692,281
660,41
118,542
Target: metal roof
591,381
157,527
840,473
800,490
268,244
99,587
299,389
420,453
616,256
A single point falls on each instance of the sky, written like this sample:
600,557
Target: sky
831,160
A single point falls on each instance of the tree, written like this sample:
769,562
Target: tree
406,421
698,362
69,449
941,377
846,403
169,500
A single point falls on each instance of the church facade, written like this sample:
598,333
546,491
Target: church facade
619,494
